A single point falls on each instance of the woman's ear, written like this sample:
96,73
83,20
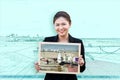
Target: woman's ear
70,24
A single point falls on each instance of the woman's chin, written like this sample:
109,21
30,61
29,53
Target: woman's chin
62,35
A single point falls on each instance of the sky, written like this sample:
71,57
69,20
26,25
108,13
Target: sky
64,47
90,18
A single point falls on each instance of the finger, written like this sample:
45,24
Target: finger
81,56
81,64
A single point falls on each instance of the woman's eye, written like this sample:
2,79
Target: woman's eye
63,24
57,24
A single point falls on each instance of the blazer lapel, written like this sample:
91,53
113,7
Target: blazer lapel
56,38
71,40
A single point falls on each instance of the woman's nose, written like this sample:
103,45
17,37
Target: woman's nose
60,27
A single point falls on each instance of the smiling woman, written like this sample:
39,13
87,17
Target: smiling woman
62,23
62,27
96,22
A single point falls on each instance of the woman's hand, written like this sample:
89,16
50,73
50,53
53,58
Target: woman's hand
37,66
81,61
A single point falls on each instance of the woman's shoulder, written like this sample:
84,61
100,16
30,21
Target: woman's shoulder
78,40
50,39
74,39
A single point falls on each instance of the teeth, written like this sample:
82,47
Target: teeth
61,31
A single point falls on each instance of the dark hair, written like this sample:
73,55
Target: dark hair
62,14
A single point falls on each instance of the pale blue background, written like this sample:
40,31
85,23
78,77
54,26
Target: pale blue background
90,18
96,22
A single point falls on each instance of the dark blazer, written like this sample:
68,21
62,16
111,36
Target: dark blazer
51,76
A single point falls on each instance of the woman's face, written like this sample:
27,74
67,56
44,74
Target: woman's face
62,26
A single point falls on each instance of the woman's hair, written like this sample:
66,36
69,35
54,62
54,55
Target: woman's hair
62,14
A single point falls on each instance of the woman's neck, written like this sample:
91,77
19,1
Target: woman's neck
64,38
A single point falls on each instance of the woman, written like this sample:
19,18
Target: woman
62,23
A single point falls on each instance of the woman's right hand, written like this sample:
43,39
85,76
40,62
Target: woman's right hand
37,66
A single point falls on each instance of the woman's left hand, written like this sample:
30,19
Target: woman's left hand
81,61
